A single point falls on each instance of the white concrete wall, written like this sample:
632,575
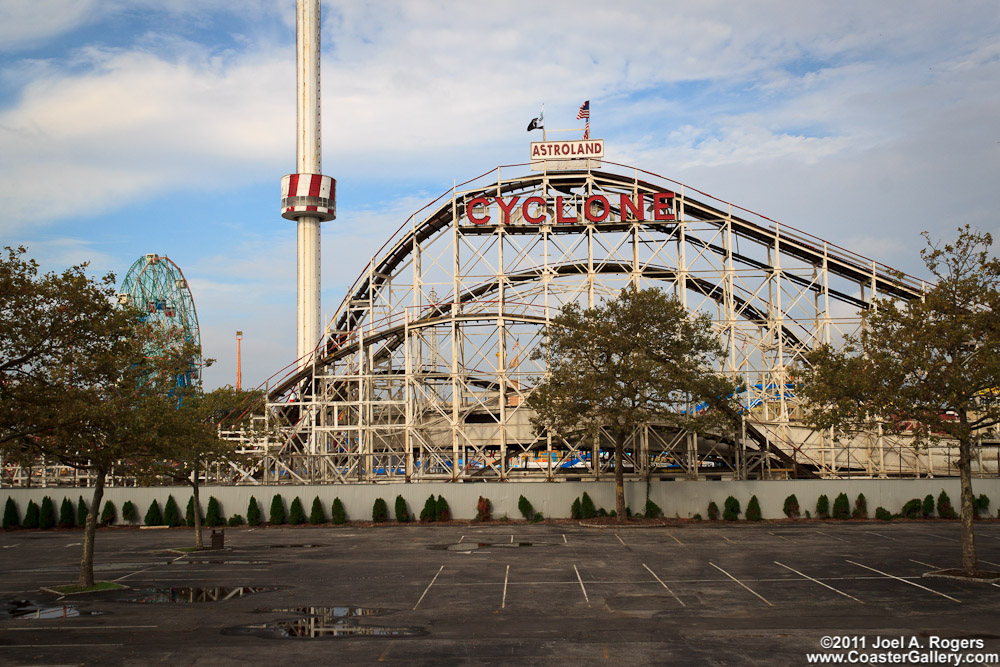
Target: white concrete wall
681,499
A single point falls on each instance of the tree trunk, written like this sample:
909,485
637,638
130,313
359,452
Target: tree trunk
198,543
86,579
620,476
969,561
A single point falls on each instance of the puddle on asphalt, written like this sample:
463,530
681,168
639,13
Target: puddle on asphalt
194,594
220,562
29,609
313,627
286,546
473,546
327,612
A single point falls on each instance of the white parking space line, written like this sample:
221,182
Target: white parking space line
621,540
582,587
818,582
675,539
832,537
564,539
920,562
885,536
905,581
780,537
664,585
461,539
506,576
945,537
765,600
727,539
512,539
989,563
428,588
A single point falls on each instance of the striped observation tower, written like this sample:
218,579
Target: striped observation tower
308,197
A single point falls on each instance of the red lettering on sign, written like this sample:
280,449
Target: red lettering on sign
590,205
632,208
661,206
560,218
506,209
533,219
470,206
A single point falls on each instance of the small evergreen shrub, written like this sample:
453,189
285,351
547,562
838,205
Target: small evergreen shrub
109,514
882,514
317,515
525,508
66,512
823,507
944,508
652,510
537,518
154,517
277,513
981,505
484,509
129,512
443,511
587,509
753,509
10,516
912,509
253,512
47,515
697,517
575,512
297,513
860,507
401,511
841,507
380,511
171,513
731,509
602,512
927,509
808,515
713,511
236,520
337,515
31,515
81,512
189,513
429,512
213,515
791,507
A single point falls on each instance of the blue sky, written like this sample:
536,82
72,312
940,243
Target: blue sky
134,126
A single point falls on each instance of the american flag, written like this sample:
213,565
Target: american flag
586,130
584,111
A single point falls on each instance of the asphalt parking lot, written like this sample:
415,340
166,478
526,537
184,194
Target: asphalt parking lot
562,593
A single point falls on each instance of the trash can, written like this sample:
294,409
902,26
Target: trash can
218,539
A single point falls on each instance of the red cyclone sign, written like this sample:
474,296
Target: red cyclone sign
596,208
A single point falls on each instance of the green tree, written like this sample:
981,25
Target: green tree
190,443
443,512
108,514
402,514
525,508
213,516
171,512
47,515
253,512
129,512
429,512
753,509
10,517
338,516
296,513
640,358
928,367
277,513
380,511
32,515
189,517
66,512
791,507
154,517
316,514
841,507
81,512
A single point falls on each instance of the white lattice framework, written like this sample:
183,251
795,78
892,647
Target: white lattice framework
425,368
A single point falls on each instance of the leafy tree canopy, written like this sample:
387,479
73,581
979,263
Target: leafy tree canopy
640,358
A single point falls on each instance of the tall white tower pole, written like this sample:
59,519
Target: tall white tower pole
307,196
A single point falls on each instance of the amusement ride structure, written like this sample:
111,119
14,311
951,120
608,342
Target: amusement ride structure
157,286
